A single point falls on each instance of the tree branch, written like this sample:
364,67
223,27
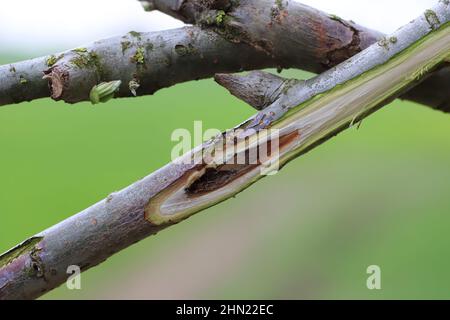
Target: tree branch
147,61
294,33
229,38
298,35
305,114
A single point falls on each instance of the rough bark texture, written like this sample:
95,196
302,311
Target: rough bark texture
258,89
297,35
178,190
293,33
230,37
151,60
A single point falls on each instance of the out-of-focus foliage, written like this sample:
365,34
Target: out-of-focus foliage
374,196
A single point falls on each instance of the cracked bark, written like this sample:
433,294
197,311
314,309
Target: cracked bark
279,29
255,34
258,89
306,113
161,63
298,35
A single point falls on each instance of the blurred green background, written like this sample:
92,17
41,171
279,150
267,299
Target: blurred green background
374,196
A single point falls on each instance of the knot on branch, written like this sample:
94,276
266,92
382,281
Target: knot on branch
58,80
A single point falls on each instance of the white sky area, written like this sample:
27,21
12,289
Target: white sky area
41,26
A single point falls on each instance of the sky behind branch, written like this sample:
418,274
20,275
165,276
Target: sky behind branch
43,25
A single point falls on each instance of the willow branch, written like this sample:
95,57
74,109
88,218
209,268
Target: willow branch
305,115
228,38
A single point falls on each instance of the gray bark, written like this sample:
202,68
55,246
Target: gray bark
154,60
178,190
255,34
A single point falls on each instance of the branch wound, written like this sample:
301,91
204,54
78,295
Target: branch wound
57,81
